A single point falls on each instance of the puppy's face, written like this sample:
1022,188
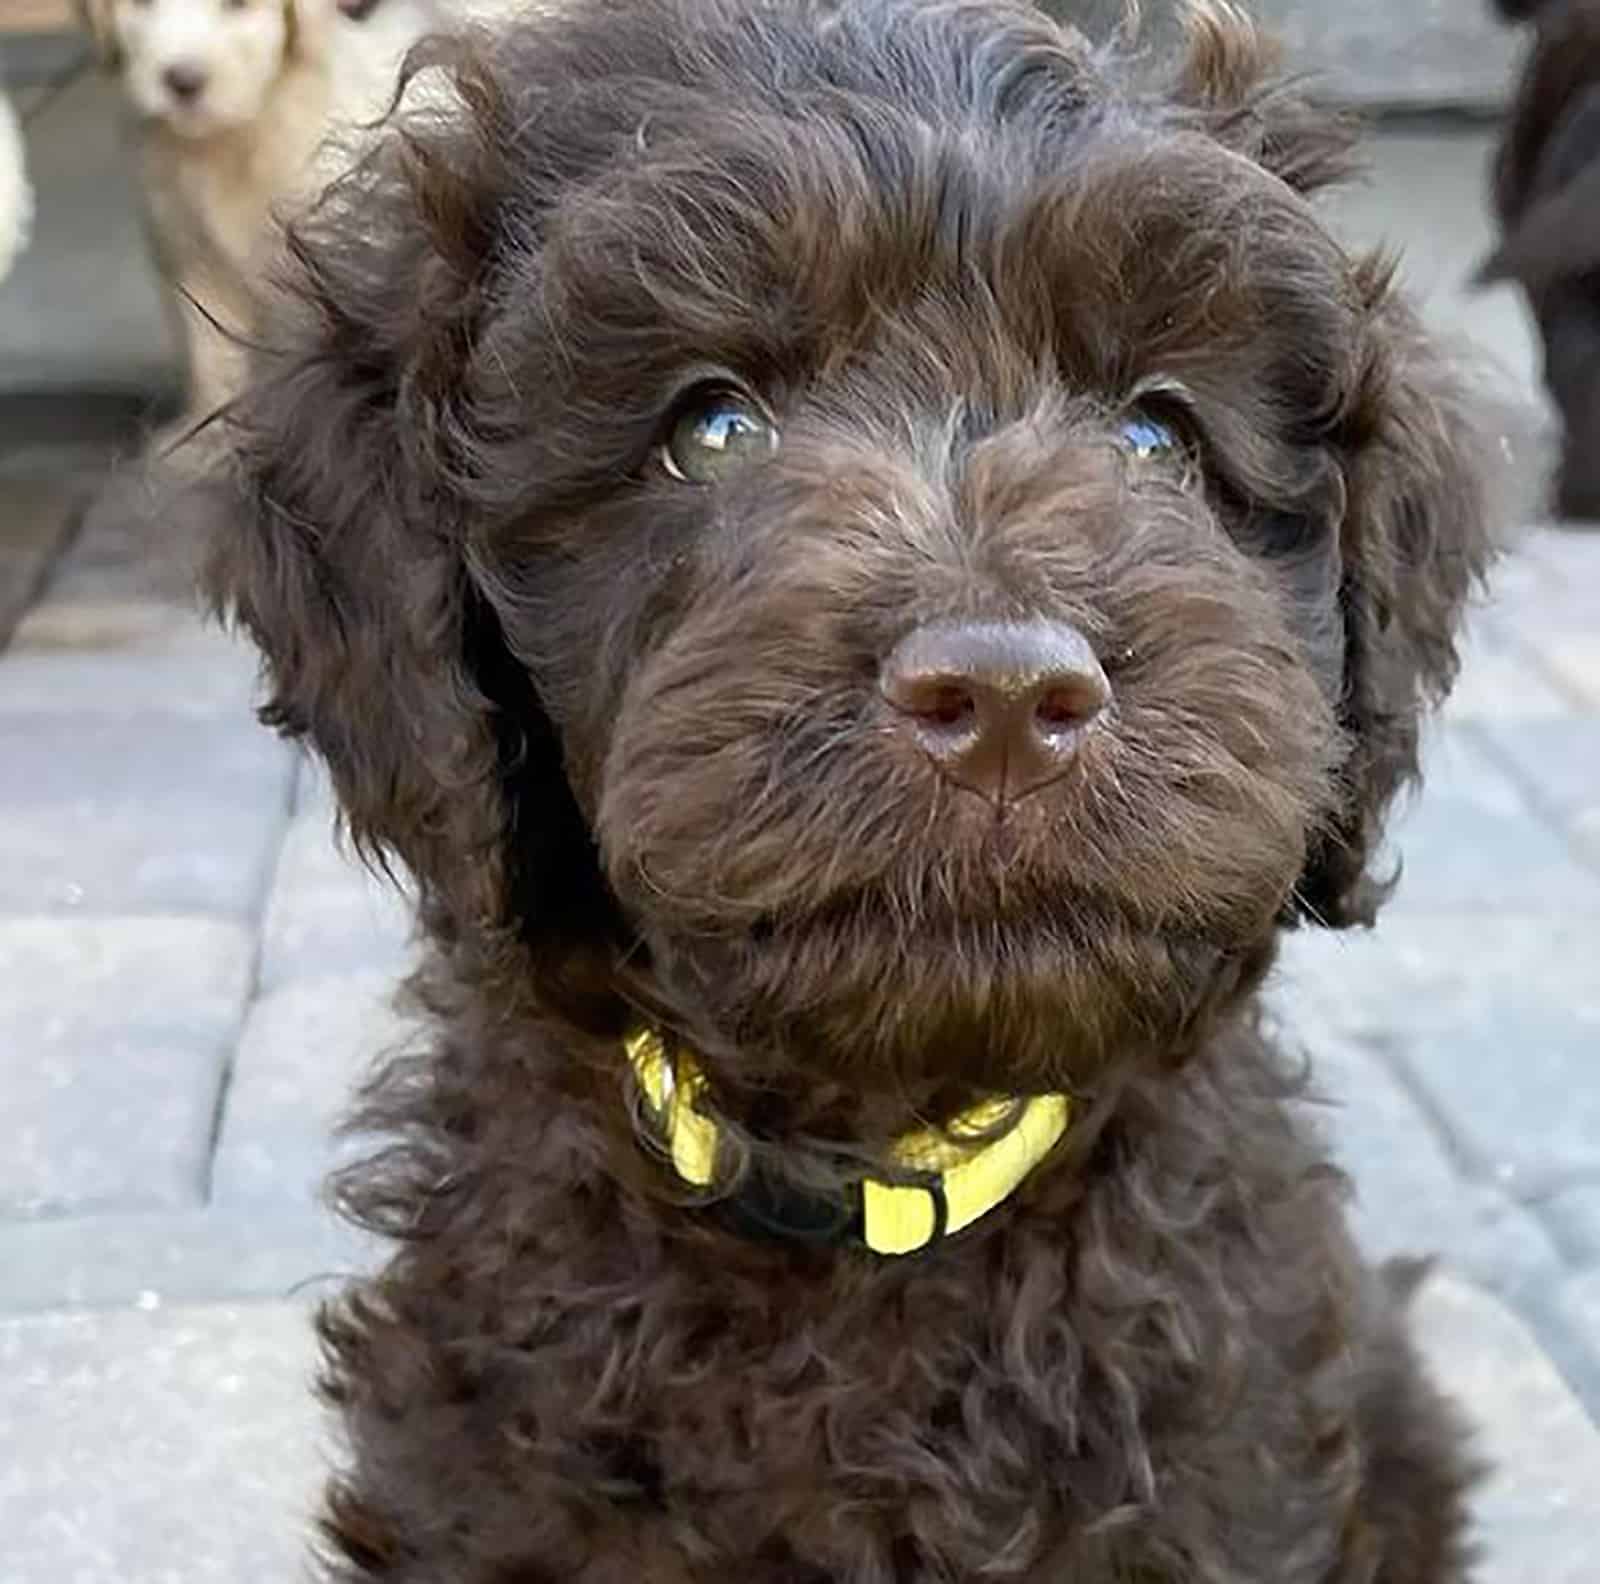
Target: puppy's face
943,632
921,529
200,66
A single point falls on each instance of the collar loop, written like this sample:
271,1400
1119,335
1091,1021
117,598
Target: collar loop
940,1180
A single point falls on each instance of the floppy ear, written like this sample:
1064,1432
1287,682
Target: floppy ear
1415,532
95,17
308,28
1415,540
345,542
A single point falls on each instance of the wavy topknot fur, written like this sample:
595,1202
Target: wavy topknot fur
1044,337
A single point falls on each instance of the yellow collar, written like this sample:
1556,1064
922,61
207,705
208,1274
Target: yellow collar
941,1180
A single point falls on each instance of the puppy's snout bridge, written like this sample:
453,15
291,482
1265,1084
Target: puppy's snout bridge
1000,707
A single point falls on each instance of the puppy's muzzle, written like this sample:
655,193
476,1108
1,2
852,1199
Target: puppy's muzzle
1000,707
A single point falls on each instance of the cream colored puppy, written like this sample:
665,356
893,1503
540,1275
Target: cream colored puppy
201,67
239,109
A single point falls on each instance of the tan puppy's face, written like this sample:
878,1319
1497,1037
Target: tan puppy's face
200,66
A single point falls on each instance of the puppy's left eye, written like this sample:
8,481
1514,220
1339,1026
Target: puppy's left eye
717,431
1148,435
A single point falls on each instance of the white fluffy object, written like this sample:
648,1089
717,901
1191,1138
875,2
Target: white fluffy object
16,197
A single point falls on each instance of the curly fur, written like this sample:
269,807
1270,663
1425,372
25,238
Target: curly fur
1547,198
625,734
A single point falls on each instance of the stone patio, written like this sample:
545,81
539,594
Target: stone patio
191,978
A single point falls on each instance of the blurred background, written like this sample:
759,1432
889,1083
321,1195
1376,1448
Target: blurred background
191,975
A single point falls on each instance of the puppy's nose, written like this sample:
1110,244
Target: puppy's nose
1000,707
184,82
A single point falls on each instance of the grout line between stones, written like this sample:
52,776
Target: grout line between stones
1465,1161
1570,1351
1576,1247
76,513
1574,1254
1572,1355
257,922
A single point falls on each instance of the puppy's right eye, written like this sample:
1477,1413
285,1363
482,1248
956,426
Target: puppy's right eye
717,431
1148,435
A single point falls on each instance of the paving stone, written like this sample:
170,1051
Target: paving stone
1501,1031
1557,764
1473,843
1540,584
1521,578
113,1037
82,309
74,434
143,537
1577,1307
1571,655
1346,983
1408,1197
109,656
1536,1510
1465,967
1498,682
305,1047
190,1256
1495,1018
152,1447
313,790
1551,615
327,913
1518,1093
1426,53
35,516
138,814
1571,556
1423,54
1573,1214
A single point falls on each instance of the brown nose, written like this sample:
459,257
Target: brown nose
1000,707
184,82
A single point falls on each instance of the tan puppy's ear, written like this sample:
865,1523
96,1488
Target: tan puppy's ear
96,19
308,28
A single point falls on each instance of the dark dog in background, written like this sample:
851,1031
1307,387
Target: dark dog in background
869,559
1547,197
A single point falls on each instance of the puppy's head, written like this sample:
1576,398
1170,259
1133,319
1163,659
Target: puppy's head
202,66
861,525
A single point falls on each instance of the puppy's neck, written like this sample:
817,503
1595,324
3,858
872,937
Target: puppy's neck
925,1186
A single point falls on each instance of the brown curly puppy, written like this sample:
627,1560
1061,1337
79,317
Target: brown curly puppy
1547,198
868,563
